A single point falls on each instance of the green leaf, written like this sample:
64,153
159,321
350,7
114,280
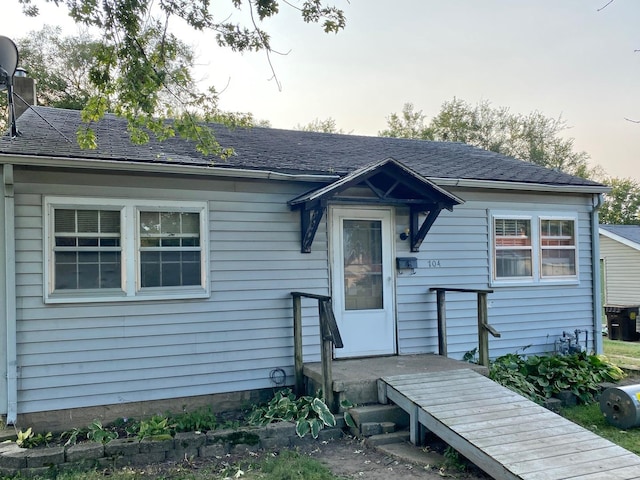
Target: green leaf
348,419
346,404
302,427
316,425
323,412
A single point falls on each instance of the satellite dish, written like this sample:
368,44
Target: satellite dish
8,61
8,65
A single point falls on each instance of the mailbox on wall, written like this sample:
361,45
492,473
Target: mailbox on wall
406,263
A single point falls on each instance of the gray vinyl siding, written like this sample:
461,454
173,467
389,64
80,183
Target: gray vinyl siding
622,272
530,318
76,355
87,354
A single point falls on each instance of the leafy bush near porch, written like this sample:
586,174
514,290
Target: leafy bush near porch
310,414
541,377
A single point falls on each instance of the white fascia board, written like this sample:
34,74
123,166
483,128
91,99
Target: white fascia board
99,164
181,169
530,187
619,239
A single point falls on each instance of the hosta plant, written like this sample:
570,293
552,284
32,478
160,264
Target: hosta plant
310,414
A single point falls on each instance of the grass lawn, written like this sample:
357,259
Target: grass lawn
622,353
591,418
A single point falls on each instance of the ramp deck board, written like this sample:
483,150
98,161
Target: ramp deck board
503,433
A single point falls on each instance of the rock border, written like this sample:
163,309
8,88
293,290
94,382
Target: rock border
130,451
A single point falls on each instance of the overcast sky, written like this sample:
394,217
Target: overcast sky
557,57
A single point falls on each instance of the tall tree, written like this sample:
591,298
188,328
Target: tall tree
408,124
134,62
323,126
533,137
622,204
60,65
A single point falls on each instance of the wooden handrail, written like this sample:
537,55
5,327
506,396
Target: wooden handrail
484,329
329,335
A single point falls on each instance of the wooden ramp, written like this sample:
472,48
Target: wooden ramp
503,433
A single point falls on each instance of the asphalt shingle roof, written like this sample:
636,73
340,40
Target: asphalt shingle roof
286,151
629,232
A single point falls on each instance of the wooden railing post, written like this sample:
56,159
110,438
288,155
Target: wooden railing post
297,344
326,357
442,322
483,321
483,334
329,336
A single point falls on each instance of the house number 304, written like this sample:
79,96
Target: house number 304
433,263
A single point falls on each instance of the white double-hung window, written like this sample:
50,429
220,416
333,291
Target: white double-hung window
108,249
534,248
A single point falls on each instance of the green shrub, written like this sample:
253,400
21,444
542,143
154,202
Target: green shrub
28,439
541,377
310,414
200,420
156,427
99,434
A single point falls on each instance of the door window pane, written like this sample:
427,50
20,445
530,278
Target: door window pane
362,249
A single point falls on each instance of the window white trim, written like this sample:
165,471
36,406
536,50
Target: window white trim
130,257
536,278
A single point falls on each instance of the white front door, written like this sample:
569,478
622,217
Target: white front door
362,280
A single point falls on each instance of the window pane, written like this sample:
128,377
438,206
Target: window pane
191,271
65,220
87,221
149,242
512,232
66,276
171,274
88,275
150,269
557,232
191,223
513,263
513,251
78,256
170,222
170,242
557,263
362,243
66,241
109,221
87,242
172,262
149,222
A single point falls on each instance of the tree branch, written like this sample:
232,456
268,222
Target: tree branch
605,5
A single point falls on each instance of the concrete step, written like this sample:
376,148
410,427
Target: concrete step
401,436
406,452
380,414
8,433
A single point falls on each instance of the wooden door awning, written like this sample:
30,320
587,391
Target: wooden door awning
387,182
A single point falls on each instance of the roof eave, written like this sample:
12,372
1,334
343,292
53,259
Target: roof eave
163,168
207,170
619,239
519,186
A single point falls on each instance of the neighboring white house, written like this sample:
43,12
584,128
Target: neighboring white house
144,273
620,257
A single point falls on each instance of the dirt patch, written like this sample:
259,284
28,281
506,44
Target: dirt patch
347,458
351,458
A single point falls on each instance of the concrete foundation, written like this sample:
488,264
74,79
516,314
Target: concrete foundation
63,420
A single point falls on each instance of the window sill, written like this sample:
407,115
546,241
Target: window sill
144,295
535,283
